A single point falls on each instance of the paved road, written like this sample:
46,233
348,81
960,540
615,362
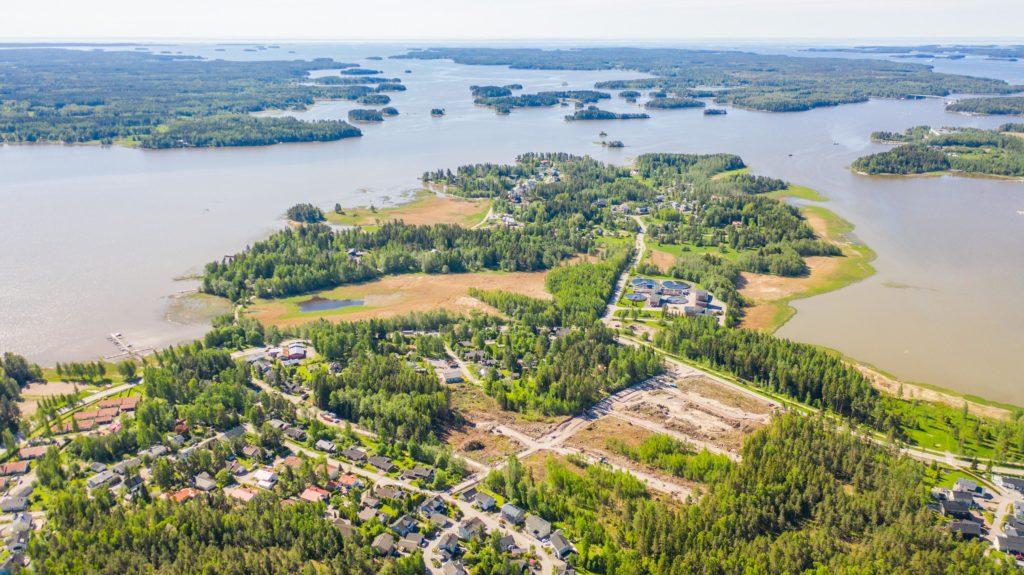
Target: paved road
639,247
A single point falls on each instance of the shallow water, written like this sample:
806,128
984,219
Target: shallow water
92,237
318,303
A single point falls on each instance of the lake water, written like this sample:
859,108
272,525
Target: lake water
318,303
93,238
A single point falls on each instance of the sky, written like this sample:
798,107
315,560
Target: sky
619,20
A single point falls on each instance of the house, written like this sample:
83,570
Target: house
348,530
389,492
97,467
564,569
367,514
252,452
368,499
508,544
954,509
404,525
354,454
325,445
102,478
512,514
449,543
561,545
1014,527
295,434
348,482
440,520
265,478
155,451
126,466
382,463
453,568
484,501
243,494
204,482
384,544
296,351
538,527
965,485
472,527
965,497
277,424
1005,482
433,505
34,452
13,504
183,495
132,482
14,468
410,543
966,529
1011,545
314,494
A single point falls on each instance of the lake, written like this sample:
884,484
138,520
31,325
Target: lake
99,239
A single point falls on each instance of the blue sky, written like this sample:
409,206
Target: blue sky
678,20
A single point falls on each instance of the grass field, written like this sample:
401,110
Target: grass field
426,207
399,295
772,309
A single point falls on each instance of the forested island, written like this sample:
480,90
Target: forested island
670,103
505,103
924,150
771,83
158,101
1013,106
595,113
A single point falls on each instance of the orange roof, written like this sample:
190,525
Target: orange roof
110,403
130,402
32,452
241,493
14,468
184,495
348,480
81,415
292,461
314,494
108,411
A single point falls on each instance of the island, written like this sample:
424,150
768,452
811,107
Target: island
161,101
505,104
672,103
375,99
766,82
924,150
1012,106
365,115
595,113
437,112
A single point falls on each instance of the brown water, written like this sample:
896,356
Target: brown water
92,238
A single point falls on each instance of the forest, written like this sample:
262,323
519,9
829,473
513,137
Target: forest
668,103
595,113
305,213
800,371
806,498
970,150
771,83
138,98
316,257
1013,106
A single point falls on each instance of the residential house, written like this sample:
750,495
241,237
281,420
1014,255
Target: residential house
367,514
325,445
357,455
403,525
561,545
14,468
253,452
1014,483
13,504
954,509
1009,544
183,495
471,528
965,485
126,466
295,434
538,527
484,501
155,451
33,452
382,463
384,544
265,478
410,543
204,482
389,492
433,505
508,544
966,529
105,477
314,494
512,514
453,568
449,543
243,494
